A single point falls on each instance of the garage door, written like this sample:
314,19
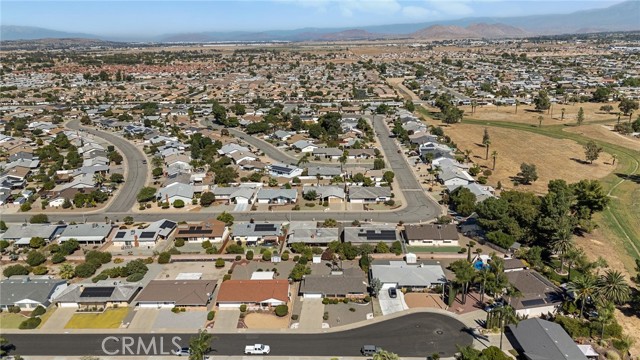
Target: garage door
386,286
312,296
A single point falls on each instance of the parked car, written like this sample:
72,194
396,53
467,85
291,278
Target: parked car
183,352
369,350
496,304
257,349
393,293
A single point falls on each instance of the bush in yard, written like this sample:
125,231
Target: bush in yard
326,301
85,270
249,255
206,244
226,277
14,309
235,249
178,204
266,256
179,242
35,258
211,315
164,258
282,310
352,309
39,270
389,202
212,250
30,323
219,263
325,316
285,256
135,277
40,310
367,298
57,258
294,317
243,308
98,256
99,277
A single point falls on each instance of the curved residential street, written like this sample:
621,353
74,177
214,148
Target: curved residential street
136,170
415,335
419,206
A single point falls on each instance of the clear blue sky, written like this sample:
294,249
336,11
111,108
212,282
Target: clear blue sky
145,18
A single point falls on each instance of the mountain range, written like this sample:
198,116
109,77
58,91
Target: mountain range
619,17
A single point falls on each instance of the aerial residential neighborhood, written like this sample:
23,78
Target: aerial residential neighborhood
465,191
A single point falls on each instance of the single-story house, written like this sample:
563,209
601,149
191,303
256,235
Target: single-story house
277,196
256,233
283,170
209,230
539,295
330,193
368,195
436,150
309,233
29,292
431,235
235,194
256,294
104,294
22,234
537,339
87,234
176,191
304,146
323,171
351,283
400,274
328,153
231,148
148,236
452,176
170,293
371,235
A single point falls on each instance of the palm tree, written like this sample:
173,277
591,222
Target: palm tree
304,160
98,179
599,264
343,159
470,245
562,243
573,255
464,273
200,344
540,118
614,156
613,287
583,287
157,161
562,112
487,144
507,316
494,155
483,277
467,155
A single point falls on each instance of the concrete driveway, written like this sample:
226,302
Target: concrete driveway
311,314
144,319
389,305
226,320
59,319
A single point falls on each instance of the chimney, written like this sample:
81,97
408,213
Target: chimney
135,241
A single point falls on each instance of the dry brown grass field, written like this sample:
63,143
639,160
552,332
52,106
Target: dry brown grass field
606,133
554,158
527,115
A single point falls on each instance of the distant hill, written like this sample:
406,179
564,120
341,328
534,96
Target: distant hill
619,17
12,32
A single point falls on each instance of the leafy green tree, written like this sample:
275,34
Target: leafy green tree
39,219
67,271
116,178
601,94
147,193
382,248
37,242
583,287
200,345
627,106
12,270
207,198
385,355
396,247
528,173
226,218
542,101
592,151
463,201
378,164
388,176
580,117
35,258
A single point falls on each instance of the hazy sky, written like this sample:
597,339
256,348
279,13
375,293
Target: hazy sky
162,17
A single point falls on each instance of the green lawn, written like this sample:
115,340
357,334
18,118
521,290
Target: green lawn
620,219
434,249
11,321
47,315
110,319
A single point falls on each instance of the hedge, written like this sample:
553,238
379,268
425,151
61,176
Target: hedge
211,315
282,310
30,323
40,310
135,277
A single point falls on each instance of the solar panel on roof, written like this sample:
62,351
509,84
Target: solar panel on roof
98,291
265,227
382,235
120,234
167,224
147,234
533,302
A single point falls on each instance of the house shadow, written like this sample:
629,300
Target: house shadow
580,161
631,177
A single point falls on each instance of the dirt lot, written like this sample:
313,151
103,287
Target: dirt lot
554,158
606,133
266,321
424,300
526,115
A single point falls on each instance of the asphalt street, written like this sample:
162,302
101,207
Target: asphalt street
415,335
419,207
137,171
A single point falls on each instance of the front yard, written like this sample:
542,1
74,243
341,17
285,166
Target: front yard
11,321
109,319
433,249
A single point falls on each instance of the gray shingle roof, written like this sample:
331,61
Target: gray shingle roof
408,275
16,289
543,340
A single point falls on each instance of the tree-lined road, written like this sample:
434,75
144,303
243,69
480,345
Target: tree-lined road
415,335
